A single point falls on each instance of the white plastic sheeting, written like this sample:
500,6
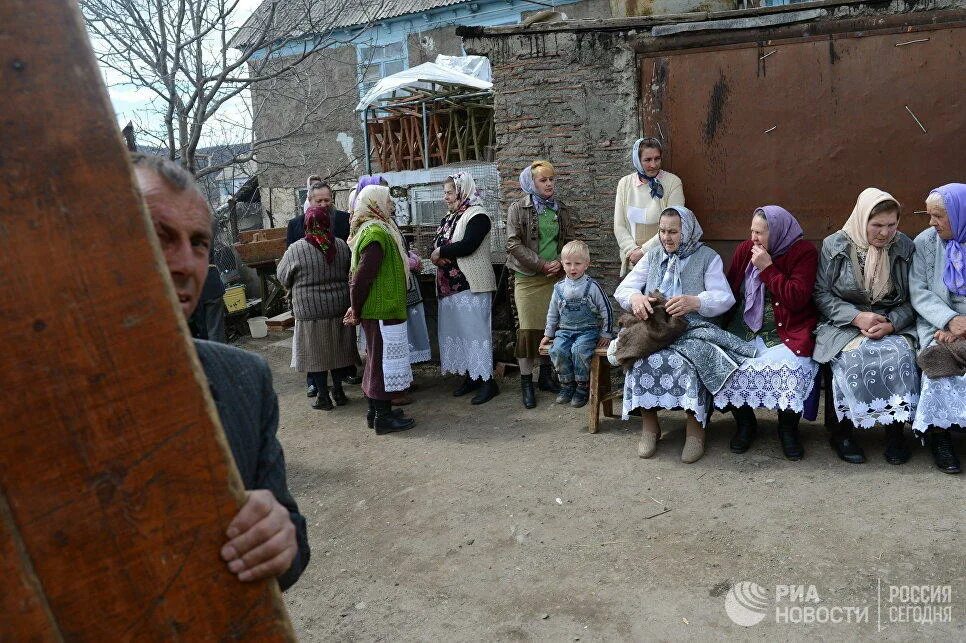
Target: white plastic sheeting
420,75
476,66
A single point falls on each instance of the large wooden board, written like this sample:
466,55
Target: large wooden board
116,483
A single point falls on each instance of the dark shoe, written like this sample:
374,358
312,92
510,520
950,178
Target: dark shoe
311,391
468,386
338,396
746,429
385,422
941,445
371,415
566,392
322,401
526,388
897,451
845,445
581,395
354,380
788,435
487,392
546,381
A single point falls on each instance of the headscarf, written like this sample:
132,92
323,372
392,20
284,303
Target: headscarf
528,185
657,190
374,207
783,231
318,231
953,196
364,181
691,233
467,194
876,281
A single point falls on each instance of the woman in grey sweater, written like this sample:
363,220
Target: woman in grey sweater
316,271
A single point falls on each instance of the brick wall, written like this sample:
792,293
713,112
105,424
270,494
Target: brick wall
569,98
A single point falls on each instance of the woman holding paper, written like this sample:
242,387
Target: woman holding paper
641,198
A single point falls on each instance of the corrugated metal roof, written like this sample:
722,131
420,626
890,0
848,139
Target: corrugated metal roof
297,17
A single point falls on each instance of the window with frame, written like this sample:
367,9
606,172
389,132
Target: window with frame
378,61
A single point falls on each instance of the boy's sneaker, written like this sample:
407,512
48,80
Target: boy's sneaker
566,392
581,395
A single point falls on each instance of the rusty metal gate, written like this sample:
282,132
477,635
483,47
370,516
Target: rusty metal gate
807,122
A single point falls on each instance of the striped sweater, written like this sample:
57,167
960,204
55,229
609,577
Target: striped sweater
319,290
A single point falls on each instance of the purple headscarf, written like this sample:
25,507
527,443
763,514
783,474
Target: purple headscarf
364,181
783,231
953,196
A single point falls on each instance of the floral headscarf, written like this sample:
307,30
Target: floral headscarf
657,190
691,234
374,207
953,196
467,194
783,231
318,231
877,279
528,185
364,181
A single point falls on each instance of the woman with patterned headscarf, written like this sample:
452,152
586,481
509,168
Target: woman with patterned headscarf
867,328
772,275
938,286
641,198
687,373
537,227
315,270
465,282
380,273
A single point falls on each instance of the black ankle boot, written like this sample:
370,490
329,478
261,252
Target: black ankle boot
322,401
545,382
896,451
526,388
370,416
468,386
385,422
338,395
845,445
746,429
941,445
788,435
487,392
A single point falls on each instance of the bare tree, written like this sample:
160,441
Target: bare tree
196,56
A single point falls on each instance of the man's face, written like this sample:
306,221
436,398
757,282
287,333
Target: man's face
183,226
321,198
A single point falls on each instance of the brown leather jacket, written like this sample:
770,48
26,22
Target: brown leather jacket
523,235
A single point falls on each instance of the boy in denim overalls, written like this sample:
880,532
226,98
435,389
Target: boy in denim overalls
580,319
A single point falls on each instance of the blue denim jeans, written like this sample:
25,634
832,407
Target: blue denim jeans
571,352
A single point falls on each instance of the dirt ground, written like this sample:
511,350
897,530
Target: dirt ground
495,522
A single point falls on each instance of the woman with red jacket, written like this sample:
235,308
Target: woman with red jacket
772,276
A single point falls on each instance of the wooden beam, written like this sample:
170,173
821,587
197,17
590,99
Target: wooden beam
116,482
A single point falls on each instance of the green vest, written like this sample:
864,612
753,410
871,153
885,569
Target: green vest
387,297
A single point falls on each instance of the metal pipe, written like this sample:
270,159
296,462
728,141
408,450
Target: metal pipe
425,140
365,140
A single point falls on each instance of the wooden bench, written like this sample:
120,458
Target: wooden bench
601,395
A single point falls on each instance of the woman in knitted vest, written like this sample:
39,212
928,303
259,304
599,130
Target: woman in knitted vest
377,292
464,284
537,227
315,270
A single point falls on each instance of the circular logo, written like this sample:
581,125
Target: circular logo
746,603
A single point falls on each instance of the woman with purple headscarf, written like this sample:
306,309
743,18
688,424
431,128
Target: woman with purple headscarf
938,285
772,275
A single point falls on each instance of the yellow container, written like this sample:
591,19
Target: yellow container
235,298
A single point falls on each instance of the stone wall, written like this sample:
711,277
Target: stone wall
569,98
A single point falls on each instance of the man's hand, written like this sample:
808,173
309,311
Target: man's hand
865,321
261,539
957,326
635,256
350,318
760,257
945,337
641,306
878,331
682,305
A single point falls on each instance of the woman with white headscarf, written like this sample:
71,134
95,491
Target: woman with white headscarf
377,292
866,331
687,373
537,226
465,283
641,198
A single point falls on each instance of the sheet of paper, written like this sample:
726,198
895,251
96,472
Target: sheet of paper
636,215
